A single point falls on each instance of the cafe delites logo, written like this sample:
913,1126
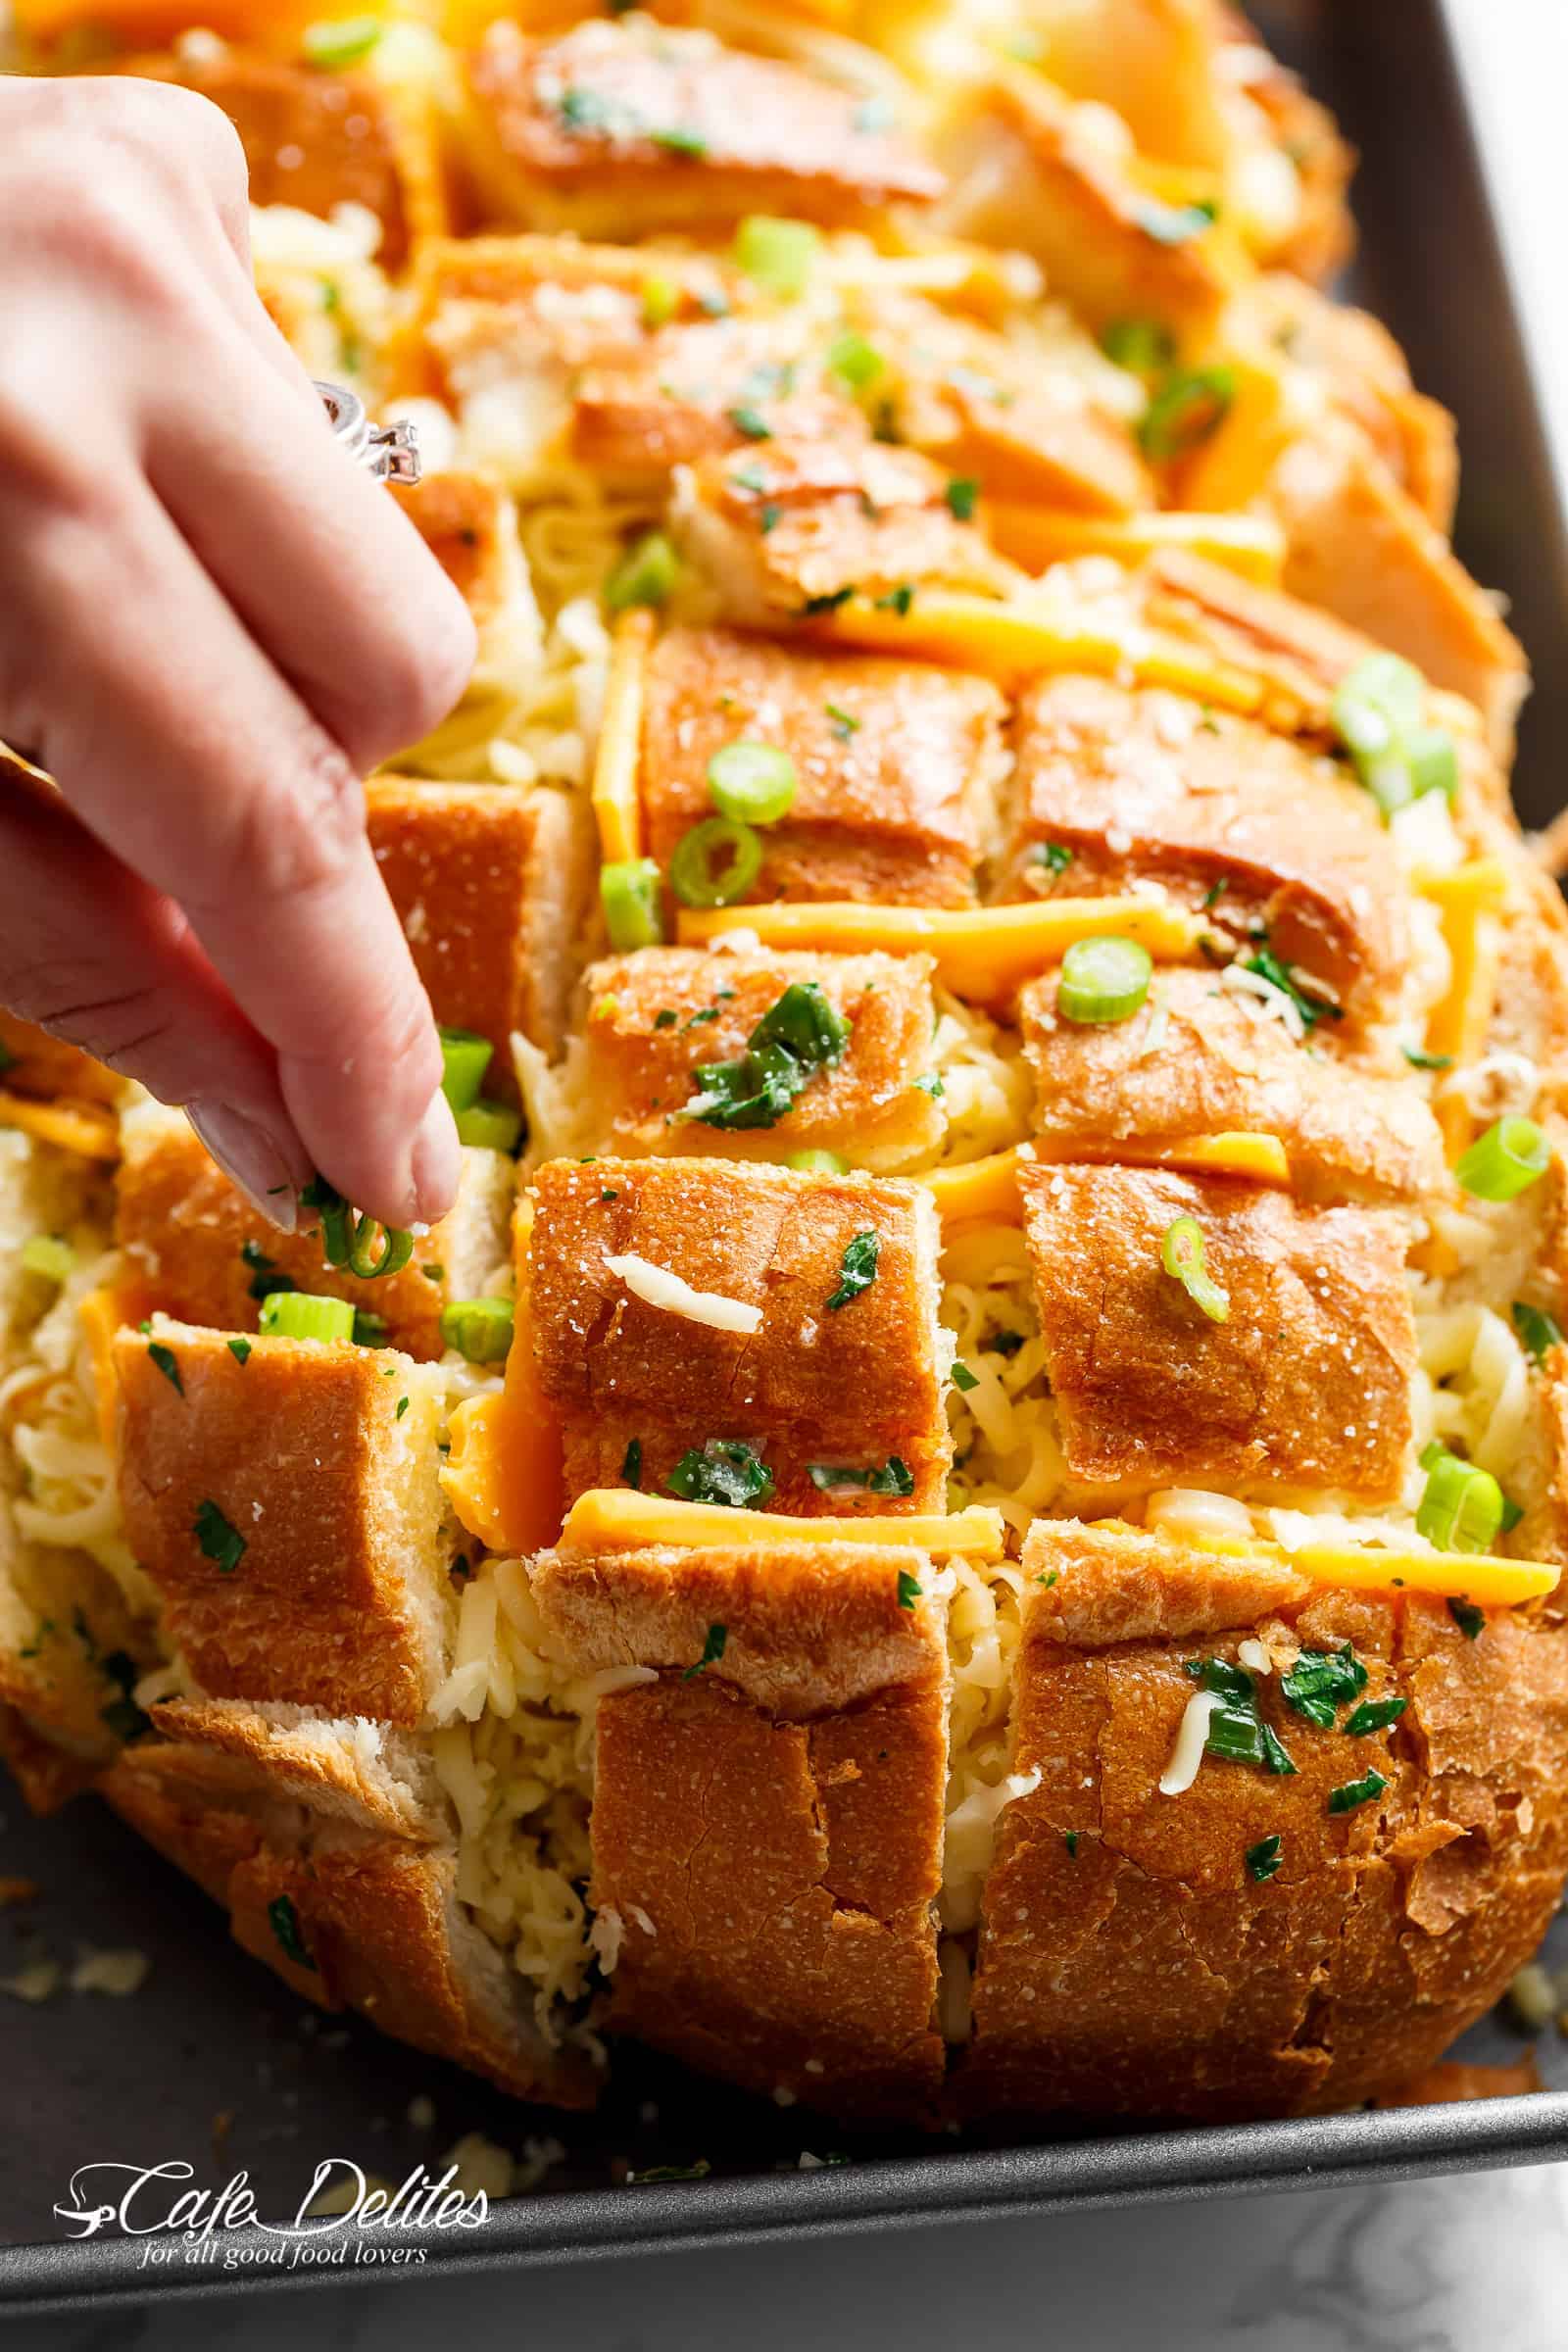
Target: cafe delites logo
336,2225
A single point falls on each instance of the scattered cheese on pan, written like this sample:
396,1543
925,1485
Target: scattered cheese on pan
86,1129
614,1519
615,801
1188,1754
120,1973
982,953
1252,545
658,1286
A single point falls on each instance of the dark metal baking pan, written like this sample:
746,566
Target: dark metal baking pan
213,2063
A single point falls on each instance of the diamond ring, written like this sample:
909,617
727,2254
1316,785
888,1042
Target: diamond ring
391,452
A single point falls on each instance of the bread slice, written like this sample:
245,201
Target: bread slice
204,1255
288,1508
767,1824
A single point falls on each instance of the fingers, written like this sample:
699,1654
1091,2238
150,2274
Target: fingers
96,958
328,574
187,754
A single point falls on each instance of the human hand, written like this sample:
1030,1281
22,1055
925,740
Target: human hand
213,623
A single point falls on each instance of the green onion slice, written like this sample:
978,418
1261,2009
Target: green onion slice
298,1315
1461,1508
480,1329
754,783
661,300
46,1255
1181,1254
1103,979
629,894
1190,404
333,44
1538,1331
645,576
1377,703
1511,1155
818,1163
1143,346
853,360
489,1126
716,864
349,1243
779,255
464,1058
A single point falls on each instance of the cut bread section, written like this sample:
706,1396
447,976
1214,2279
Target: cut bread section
286,1505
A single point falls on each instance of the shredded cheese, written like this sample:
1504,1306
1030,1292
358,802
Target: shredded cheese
658,1286
1188,1754
616,1519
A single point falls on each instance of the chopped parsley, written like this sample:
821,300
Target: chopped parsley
220,1542
167,1363
844,726
726,1471
1470,1620
370,1328
768,520
712,1651
1214,893
1419,1060
1175,224
1264,1858
608,1193
403,1406
1069,1838
829,603
894,1477
631,1464
796,1038
1352,1794
1321,1681
896,600
964,1380
666,1018
1538,1331
1312,1009
749,420
930,1083
908,1589
1054,855
266,1275
961,493
286,1924
856,1269
681,142
1374,1715
1237,1732
240,1351
1003,1343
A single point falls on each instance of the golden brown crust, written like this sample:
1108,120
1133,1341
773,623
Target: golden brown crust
677,399
639,1065
491,885
1141,784
1308,1381
849,1387
1096,1585
1143,1966
186,1231
767,1834
469,524
620,130
1198,1059
895,762
340,1599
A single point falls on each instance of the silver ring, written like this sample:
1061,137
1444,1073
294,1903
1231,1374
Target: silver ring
390,453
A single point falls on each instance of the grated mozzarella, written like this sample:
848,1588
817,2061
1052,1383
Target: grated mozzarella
656,1286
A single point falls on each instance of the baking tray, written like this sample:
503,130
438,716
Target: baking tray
213,2063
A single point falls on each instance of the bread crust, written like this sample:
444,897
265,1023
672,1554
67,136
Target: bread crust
895,762
1305,1384
341,1599
768,1833
850,1387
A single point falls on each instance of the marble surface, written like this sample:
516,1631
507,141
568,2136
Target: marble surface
1469,2264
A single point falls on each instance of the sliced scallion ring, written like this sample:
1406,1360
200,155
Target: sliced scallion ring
716,862
1103,979
298,1315
853,360
755,783
1182,1254
340,41
49,1256
629,893
777,254
464,1058
480,1329
1462,1506
818,1163
1377,703
1190,404
645,576
487,1126
1432,760
371,1260
1504,1162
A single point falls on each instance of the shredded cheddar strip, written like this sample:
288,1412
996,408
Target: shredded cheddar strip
102,1313
504,1472
1457,1575
80,1127
984,953
1036,537
1468,903
616,800
617,1519
984,1187
1235,1153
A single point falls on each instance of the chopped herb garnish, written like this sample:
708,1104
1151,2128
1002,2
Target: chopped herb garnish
1470,1620
666,1018
220,1542
1048,1577
747,420
895,1476
584,110
800,1036
829,603
1054,855
266,1277
856,1269
1321,1681
749,477
1345,1799
1215,892
240,1351
896,600
726,1471
1263,1859
712,1651
167,1363
1419,1060
1374,1715
768,520
285,1923
1538,1331
930,1083
908,1589
1003,1343
1237,1732
403,1406
1176,223
1268,966
631,1464
844,726
961,493
964,1380
1069,1838
370,1328
681,142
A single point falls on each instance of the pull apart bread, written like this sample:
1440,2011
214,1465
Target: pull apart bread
965,1513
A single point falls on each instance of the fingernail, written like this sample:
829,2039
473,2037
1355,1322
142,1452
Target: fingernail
250,1159
435,1164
